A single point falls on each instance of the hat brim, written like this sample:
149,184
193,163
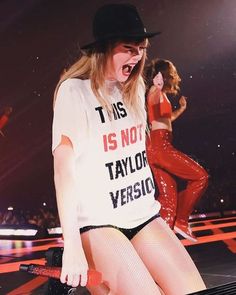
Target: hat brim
95,43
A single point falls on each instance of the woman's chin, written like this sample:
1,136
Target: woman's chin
122,78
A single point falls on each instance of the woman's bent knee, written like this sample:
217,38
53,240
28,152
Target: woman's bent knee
204,178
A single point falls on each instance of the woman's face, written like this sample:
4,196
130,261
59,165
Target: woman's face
158,81
124,57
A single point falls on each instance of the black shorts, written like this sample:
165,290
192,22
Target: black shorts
128,232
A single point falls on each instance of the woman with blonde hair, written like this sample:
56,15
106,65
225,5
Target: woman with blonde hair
166,161
104,185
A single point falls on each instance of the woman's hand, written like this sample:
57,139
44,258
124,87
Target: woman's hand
74,264
183,102
158,81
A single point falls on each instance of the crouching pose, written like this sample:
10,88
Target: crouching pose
104,186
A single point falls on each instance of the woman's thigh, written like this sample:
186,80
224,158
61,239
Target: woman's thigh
179,164
110,252
166,259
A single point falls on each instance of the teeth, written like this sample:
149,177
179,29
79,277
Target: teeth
127,69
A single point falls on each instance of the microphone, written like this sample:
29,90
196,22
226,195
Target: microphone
94,277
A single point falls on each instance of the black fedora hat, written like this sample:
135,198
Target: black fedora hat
117,21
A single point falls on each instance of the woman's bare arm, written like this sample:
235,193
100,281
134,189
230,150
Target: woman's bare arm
180,110
74,264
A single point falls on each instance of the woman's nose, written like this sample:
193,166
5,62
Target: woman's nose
138,53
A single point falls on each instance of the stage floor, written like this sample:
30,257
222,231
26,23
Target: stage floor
214,255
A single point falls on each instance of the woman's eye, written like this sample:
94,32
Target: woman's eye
128,49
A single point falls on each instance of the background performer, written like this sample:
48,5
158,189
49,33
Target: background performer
166,161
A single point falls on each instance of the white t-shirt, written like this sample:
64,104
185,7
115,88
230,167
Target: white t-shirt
114,181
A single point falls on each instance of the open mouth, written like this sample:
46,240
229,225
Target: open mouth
127,69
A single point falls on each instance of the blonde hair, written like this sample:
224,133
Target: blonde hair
93,66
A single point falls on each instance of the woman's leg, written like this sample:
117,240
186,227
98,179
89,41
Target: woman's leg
110,252
184,167
163,155
195,188
167,195
167,260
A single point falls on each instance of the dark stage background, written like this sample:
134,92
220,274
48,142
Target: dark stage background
39,38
